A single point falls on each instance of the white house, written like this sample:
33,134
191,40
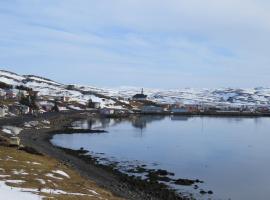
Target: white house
3,111
151,109
179,110
11,94
106,111
2,94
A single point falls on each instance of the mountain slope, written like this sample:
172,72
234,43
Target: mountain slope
47,87
109,97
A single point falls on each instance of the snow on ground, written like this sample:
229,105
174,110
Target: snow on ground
28,179
74,107
50,175
9,81
7,131
19,172
15,181
228,96
37,124
61,173
12,130
11,75
33,163
39,79
11,193
41,181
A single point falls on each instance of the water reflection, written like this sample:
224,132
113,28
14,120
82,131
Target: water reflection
142,121
229,154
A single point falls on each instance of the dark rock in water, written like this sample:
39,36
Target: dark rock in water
137,170
164,173
203,192
164,179
82,151
196,187
198,181
140,169
153,176
210,192
184,182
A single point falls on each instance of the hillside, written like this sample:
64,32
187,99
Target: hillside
109,97
47,87
229,96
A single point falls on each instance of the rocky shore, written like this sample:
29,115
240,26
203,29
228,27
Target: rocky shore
38,141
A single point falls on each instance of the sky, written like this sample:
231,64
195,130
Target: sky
145,43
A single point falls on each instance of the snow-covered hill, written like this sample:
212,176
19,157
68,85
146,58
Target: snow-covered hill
109,96
47,87
229,96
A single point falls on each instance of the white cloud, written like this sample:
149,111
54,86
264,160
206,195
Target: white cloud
204,39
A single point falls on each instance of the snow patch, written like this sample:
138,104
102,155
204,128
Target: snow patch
61,173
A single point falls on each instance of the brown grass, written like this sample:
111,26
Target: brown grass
13,160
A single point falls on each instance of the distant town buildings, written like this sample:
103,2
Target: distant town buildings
11,94
107,111
94,105
20,100
151,109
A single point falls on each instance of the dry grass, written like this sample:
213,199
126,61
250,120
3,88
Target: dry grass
7,102
35,172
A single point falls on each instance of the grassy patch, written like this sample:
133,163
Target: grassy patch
46,176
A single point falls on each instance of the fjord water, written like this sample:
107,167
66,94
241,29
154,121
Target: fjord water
231,155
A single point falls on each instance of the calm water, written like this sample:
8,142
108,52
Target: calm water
231,155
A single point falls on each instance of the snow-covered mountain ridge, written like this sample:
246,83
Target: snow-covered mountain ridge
47,87
226,96
229,96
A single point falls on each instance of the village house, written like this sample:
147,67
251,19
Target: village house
22,93
64,98
14,141
179,110
106,111
151,109
206,108
47,107
2,95
262,109
34,93
122,112
18,109
11,94
192,108
3,111
94,105
139,97
25,109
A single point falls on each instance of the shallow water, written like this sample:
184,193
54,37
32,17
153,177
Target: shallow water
231,155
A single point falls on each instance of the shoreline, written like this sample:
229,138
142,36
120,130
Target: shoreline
39,140
210,114
104,176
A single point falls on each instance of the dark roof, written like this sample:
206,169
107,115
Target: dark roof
139,96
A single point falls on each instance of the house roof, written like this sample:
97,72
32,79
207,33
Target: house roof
140,96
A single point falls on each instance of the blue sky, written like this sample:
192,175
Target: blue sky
153,43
